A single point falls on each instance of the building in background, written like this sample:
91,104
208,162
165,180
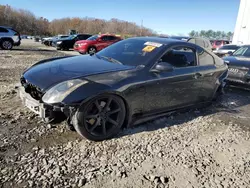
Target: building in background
242,27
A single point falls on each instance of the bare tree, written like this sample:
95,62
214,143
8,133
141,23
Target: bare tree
27,23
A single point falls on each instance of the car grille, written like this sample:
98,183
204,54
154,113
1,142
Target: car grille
237,73
33,90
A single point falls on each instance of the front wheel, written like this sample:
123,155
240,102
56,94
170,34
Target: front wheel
100,118
92,50
6,45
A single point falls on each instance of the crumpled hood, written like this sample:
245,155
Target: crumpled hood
46,74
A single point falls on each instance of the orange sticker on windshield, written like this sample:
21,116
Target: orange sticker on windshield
148,48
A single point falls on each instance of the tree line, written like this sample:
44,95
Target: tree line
27,23
210,34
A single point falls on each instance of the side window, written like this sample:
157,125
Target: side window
110,38
83,37
180,57
3,30
205,58
105,38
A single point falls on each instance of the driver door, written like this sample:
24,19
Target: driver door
167,90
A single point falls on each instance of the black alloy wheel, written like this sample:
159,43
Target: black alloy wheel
100,118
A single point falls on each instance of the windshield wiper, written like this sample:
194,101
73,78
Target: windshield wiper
110,59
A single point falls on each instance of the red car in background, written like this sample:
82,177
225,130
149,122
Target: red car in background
95,43
216,44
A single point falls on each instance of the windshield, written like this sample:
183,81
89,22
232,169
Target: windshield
243,51
93,37
132,52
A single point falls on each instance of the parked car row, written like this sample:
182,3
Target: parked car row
49,40
83,43
68,42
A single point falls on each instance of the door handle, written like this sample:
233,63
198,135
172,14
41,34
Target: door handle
197,75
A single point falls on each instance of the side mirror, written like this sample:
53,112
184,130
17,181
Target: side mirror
163,67
99,40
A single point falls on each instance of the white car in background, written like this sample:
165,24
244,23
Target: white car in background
226,50
9,37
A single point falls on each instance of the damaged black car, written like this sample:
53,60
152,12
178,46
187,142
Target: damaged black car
134,79
239,67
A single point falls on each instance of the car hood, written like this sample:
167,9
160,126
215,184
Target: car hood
46,74
240,61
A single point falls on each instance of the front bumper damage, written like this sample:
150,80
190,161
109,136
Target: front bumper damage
37,107
45,111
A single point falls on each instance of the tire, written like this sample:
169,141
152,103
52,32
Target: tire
6,44
92,50
100,118
58,48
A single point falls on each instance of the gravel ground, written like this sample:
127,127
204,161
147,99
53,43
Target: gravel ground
208,147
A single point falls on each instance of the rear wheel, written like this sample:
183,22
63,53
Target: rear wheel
6,44
100,118
92,50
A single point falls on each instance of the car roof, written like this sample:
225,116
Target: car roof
6,27
83,34
106,35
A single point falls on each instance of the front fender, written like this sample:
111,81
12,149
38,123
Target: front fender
89,90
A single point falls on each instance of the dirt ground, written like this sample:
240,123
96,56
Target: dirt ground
208,147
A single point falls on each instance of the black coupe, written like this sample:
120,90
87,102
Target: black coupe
132,79
239,67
